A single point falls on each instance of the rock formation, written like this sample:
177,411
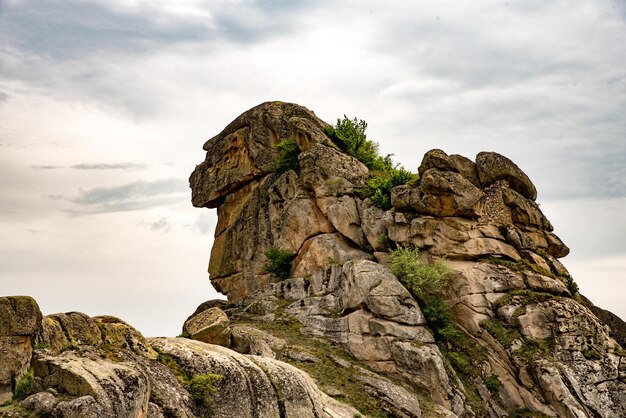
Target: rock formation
510,295
341,336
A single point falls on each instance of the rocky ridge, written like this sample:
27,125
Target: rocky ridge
342,336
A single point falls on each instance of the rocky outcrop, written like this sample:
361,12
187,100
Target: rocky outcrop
492,167
513,303
336,334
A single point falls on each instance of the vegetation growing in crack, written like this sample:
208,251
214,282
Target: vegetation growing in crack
279,262
522,298
200,387
532,349
287,158
349,136
420,278
521,265
503,333
24,386
380,185
492,383
425,281
529,349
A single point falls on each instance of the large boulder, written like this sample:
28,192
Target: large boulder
117,334
328,172
525,211
19,316
438,159
492,167
71,330
210,326
322,250
244,150
252,386
115,389
20,319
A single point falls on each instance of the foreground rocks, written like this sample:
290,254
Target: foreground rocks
110,370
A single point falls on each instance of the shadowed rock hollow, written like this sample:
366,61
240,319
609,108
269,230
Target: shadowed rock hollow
341,336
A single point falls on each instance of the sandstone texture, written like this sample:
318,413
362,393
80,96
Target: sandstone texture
339,335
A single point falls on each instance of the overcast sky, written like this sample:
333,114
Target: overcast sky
105,105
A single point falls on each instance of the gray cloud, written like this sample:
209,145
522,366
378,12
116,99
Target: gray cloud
47,167
104,166
3,96
132,196
80,51
205,223
543,83
137,189
71,29
162,225
96,166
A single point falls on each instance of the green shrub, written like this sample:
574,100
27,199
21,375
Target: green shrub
349,136
523,297
571,285
424,281
24,386
420,278
521,265
287,159
492,383
279,262
532,349
201,387
591,354
380,185
526,413
436,313
460,361
504,334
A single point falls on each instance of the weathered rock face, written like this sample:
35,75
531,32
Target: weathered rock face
257,211
20,319
540,349
244,151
